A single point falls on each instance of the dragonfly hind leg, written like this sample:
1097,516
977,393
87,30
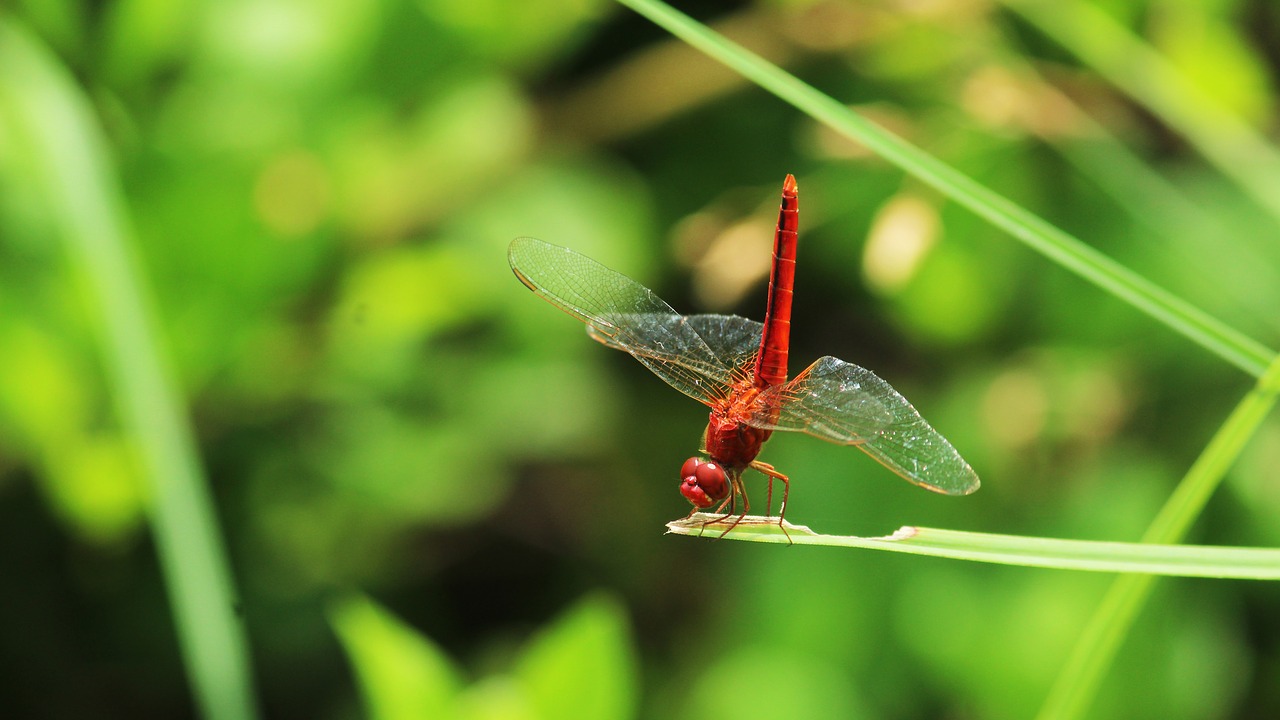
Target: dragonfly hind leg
773,474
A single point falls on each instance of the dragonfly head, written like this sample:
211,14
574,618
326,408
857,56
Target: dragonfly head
703,482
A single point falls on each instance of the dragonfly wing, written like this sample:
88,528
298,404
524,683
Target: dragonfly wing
733,339
624,315
843,403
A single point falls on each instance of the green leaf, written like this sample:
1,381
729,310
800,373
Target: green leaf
765,682
582,666
401,673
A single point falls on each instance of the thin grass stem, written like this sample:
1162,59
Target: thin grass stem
1055,244
56,136
1240,152
1063,554
1077,684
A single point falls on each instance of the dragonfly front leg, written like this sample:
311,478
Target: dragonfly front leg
719,509
738,489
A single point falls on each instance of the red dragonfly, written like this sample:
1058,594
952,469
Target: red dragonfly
738,368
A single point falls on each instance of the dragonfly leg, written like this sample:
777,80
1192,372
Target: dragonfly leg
773,474
730,501
769,471
737,489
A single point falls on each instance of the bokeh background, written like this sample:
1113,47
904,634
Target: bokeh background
409,451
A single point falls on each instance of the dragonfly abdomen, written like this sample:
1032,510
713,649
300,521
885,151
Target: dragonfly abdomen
771,364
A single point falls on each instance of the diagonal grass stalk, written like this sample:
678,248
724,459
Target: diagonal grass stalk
1055,244
1077,684
65,156
1177,218
1240,152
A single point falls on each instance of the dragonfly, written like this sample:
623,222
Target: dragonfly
738,368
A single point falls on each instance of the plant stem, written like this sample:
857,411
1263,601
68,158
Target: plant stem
1064,249
1239,151
1090,555
1077,683
56,135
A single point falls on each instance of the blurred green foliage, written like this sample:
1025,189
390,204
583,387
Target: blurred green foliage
322,195
585,655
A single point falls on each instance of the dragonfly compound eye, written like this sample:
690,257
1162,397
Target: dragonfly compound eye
712,480
694,494
703,483
689,466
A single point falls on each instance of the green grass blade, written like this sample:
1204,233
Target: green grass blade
1094,652
1240,152
66,159
1091,555
1062,248
1176,217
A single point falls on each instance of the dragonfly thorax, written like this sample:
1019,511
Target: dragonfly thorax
732,442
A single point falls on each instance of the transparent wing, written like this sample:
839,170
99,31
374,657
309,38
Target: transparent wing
733,340
846,404
625,315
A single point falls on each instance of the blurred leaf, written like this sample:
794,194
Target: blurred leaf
394,301
949,300
1213,54
545,406
769,682
599,209
1253,482
405,470
94,484
306,43
513,32
911,50
402,675
43,393
398,171
145,34
62,22
581,667
961,625
497,697
49,410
